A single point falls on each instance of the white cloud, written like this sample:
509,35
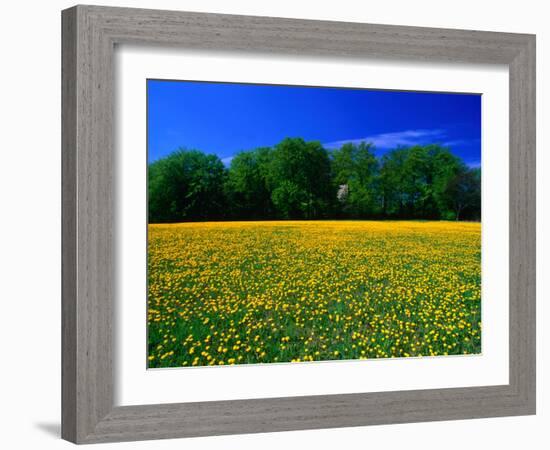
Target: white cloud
396,139
459,142
227,160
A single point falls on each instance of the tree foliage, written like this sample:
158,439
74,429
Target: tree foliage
355,169
414,182
186,185
247,194
296,179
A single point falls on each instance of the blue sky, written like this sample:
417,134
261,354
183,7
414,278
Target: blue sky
225,118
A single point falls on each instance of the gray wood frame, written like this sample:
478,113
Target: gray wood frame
89,36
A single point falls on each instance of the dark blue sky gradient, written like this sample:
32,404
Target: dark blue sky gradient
225,118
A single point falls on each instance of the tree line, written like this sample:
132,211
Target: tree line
296,179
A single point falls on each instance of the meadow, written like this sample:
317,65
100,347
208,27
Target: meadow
223,293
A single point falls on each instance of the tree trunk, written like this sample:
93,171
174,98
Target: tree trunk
458,212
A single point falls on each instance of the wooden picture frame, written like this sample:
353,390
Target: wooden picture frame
90,34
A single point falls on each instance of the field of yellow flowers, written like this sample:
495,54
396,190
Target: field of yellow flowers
262,292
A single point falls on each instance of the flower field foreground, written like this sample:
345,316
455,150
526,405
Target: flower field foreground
262,292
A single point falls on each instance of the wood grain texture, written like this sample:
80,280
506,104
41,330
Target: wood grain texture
68,225
522,266
89,36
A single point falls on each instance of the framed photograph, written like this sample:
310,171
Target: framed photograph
276,224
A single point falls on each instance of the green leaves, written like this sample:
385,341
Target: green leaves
289,199
247,195
301,180
416,182
186,185
355,169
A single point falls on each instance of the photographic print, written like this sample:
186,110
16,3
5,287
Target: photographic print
298,224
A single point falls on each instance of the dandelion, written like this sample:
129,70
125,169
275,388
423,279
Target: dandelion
303,291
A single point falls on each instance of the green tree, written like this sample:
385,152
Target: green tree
246,187
290,200
299,173
187,185
391,183
299,179
355,167
444,166
463,194
413,181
